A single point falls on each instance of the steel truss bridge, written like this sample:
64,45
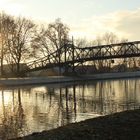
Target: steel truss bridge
70,56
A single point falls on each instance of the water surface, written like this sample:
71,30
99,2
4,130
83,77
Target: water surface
28,109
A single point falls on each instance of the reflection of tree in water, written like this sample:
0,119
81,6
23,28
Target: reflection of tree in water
103,98
69,108
68,105
45,110
99,98
64,104
130,100
13,120
57,108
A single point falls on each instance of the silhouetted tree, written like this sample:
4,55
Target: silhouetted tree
110,38
6,22
106,39
18,45
82,43
41,44
50,39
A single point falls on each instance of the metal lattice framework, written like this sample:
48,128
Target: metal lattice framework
71,56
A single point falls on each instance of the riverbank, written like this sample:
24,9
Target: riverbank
65,79
119,126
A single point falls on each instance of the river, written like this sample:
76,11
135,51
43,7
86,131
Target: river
28,109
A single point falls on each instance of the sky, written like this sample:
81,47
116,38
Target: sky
86,18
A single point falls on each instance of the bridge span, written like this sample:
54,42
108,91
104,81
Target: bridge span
71,56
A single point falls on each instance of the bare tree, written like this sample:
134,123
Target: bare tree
41,44
50,39
6,22
106,39
110,38
18,45
82,43
57,33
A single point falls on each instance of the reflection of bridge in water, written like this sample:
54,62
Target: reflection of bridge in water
70,56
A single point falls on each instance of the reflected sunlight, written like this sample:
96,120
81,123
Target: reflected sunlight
39,90
6,98
36,111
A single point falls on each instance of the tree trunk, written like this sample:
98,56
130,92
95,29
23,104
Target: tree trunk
1,62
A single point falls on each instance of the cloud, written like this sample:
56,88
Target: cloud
130,24
125,24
